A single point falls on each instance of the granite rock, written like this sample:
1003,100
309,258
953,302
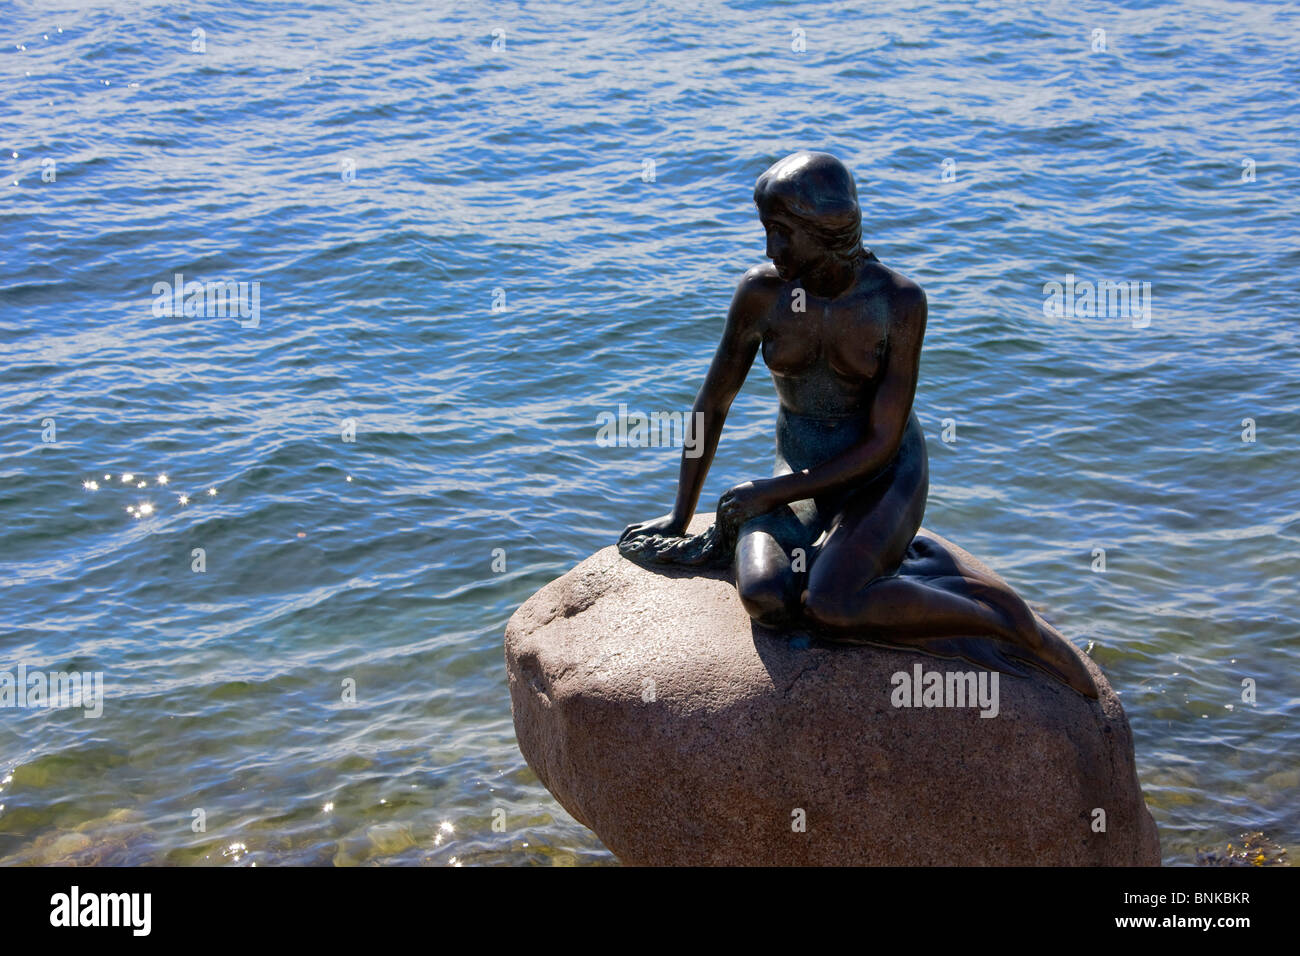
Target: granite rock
660,716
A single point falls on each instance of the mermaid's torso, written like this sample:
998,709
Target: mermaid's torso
805,441
826,361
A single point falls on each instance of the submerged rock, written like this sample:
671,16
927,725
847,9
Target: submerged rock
680,732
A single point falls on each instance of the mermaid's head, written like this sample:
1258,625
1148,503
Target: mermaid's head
809,204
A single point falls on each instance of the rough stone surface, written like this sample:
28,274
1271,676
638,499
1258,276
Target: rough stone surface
682,734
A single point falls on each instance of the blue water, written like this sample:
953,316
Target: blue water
522,169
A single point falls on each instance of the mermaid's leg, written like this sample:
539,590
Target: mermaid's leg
874,580
769,572
903,609
853,585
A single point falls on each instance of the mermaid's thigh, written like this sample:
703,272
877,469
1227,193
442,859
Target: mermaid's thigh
782,528
869,534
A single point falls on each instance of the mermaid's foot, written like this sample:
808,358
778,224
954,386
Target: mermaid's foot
1061,656
1030,639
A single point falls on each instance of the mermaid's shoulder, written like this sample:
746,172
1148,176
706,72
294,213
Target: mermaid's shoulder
756,293
762,279
903,290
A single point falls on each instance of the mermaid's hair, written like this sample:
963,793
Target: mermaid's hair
817,191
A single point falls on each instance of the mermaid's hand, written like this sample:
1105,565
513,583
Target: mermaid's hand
745,501
668,526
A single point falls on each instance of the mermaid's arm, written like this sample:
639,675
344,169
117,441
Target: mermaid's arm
731,364
890,410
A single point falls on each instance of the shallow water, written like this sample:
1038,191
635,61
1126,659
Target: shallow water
521,170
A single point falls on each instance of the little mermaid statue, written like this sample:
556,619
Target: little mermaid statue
830,542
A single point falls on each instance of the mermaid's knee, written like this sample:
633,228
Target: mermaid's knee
766,598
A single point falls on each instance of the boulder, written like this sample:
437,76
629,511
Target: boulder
660,716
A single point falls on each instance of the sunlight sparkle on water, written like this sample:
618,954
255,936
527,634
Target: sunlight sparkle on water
141,510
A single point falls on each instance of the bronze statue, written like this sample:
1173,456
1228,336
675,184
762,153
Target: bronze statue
830,540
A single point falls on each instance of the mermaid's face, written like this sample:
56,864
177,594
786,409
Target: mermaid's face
793,250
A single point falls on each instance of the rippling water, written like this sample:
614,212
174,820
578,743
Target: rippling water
459,254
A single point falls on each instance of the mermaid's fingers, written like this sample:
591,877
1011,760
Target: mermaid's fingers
631,531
